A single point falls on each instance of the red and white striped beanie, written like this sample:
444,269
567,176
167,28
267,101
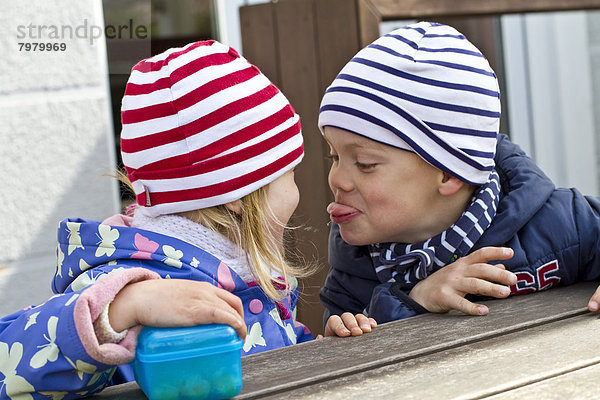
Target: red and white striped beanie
202,127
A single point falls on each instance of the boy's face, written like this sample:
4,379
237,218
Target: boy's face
382,194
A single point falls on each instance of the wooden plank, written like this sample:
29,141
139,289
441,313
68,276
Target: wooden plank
336,41
298,61
505,364
582,383
338,37
125,391
332,358
279,371
369,19
412,9
259,39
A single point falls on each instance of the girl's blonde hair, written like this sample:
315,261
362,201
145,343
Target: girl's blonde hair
252,231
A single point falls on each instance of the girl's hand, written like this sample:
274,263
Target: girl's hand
349,324
445,289
594,303
175,302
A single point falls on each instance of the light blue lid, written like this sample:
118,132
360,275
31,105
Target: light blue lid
186,341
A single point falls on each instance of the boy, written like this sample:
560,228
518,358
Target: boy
422,180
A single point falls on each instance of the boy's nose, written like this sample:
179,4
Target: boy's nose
339,180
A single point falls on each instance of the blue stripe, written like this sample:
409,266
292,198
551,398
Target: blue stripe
420,30
375,121
441,63
415,122
453,237
427,81
442,50
404,40
420,100
474,235
452,50
463,224
477,153
461,131
448,35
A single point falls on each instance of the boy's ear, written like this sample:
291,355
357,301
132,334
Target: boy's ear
235,206
449,184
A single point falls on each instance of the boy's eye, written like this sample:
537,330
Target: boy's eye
333,157
365,166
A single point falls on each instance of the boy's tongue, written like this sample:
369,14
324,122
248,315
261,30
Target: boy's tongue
337,209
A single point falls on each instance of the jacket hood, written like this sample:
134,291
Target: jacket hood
524,190
85,244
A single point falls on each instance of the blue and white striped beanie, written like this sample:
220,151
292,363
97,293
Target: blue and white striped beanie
424,88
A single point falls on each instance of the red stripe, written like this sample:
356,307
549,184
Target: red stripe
146,142
201,63
148,113
147,66
200,125
134,89
205,91
220,162
230,110
222,187
234,139
195,96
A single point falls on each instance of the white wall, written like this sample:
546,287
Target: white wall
56,138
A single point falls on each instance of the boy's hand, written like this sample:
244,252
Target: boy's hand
594,303
176,302
445,289
349,324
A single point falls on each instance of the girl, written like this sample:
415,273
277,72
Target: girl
210,146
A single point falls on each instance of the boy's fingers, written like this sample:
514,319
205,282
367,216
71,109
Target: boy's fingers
594,303
351,324
489,253
483,287
335,326
363,322
464,305
493,273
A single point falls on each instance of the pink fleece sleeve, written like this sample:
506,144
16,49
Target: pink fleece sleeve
91,303
118,220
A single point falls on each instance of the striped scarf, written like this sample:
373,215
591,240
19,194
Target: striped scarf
411,263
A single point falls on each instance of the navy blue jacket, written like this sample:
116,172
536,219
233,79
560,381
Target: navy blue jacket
555,235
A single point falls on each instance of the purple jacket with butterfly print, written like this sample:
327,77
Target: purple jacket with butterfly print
52,348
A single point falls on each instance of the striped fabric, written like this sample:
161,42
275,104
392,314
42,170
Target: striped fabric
423,88
410,263
203,127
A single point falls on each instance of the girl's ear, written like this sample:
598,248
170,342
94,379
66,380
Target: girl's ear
449,184
235,206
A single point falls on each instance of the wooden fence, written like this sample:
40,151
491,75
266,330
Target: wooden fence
302,44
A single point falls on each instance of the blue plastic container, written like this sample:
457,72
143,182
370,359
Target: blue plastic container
200,362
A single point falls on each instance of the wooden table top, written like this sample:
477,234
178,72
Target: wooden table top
542,343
